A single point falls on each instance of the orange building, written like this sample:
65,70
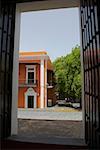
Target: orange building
36,80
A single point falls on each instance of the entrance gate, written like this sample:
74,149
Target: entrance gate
90,15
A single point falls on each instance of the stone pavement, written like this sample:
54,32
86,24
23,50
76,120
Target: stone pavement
50,129
53,113
56,125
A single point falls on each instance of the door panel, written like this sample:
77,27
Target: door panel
90,25
30,101
7,21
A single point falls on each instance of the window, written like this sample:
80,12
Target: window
30,74
30,101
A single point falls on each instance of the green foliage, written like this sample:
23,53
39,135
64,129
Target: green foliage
68,74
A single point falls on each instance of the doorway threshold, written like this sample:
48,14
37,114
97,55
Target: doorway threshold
49,140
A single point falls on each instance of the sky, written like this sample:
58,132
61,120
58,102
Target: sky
55,31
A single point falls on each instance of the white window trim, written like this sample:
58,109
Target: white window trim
30,67
30,92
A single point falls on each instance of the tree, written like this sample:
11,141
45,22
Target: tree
68,74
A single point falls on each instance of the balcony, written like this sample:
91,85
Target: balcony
27,83
50,84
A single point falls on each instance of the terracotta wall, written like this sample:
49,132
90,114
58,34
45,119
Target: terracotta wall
21,97
22,73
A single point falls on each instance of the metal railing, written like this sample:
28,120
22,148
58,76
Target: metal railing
27,82
50,84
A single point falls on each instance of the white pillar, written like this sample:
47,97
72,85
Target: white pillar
14,122
46,84
42,83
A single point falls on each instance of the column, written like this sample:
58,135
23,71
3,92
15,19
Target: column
42,83
45,83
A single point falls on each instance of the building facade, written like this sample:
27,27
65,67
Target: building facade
36,81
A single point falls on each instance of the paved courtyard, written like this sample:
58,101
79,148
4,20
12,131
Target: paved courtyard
53,113
48,128
50,125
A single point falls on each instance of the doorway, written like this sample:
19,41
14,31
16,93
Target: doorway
30,101
19,25
90,16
